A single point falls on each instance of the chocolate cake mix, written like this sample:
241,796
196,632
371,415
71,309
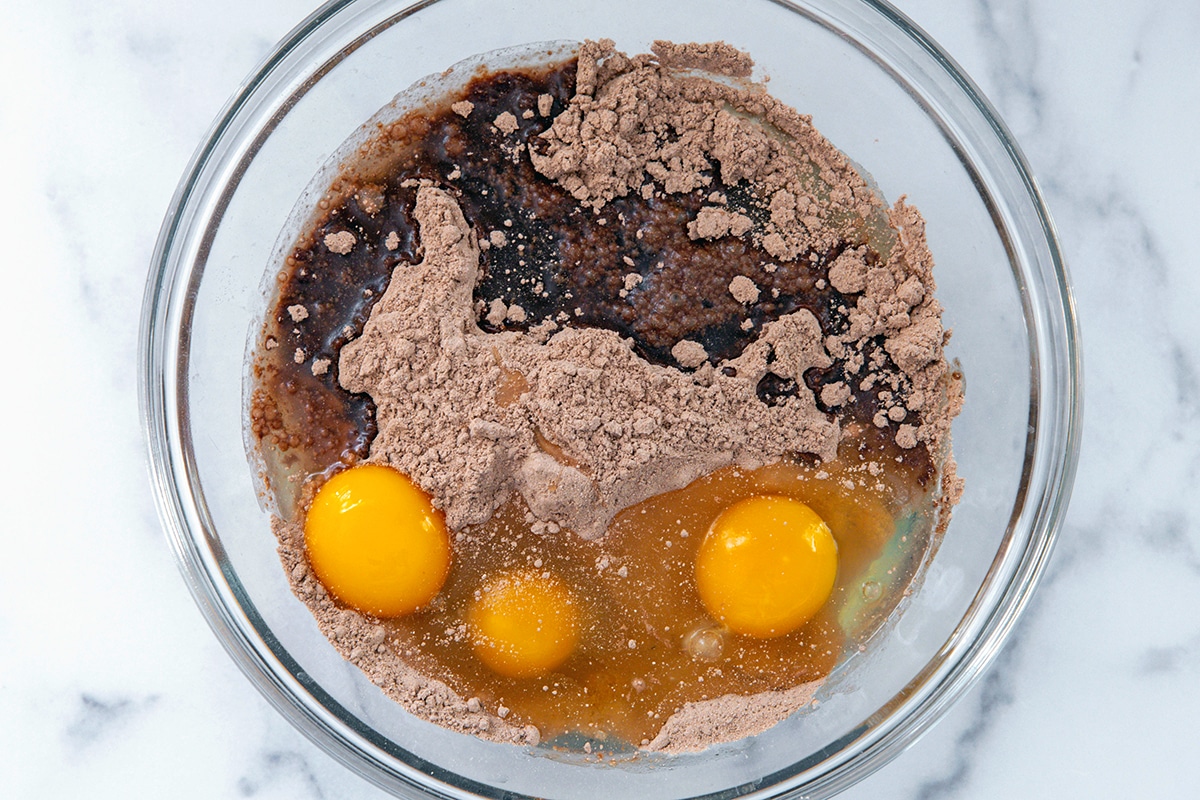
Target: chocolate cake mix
585,307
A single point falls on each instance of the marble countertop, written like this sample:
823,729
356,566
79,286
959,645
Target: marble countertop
111,684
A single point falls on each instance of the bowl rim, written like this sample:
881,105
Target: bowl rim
961,661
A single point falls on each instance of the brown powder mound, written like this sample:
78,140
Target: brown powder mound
743,289
619,429
697,725
713,223
896,303
718,58
638,124
638,118
342,242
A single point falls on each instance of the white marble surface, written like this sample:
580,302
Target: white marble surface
111,684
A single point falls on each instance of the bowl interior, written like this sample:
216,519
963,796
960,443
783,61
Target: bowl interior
881,95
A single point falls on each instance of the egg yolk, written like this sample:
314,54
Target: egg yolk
766,566
376,542
524,623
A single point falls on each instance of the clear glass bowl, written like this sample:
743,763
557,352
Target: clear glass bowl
881,91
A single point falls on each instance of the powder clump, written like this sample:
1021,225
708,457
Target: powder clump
341,243
744,290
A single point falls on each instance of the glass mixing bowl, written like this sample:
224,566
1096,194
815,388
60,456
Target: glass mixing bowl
883,93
